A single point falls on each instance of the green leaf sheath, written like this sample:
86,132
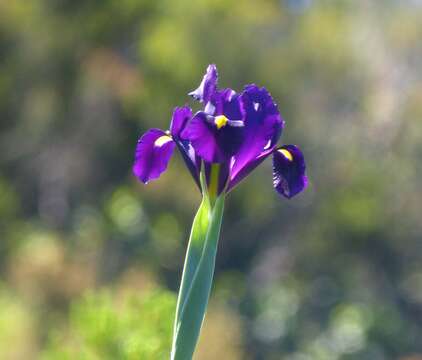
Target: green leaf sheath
194,295
193,254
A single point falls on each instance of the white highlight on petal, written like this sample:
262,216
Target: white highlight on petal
209,108
267,146
256,106
232,93
236,123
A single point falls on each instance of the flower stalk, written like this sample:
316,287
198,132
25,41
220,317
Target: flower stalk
198,272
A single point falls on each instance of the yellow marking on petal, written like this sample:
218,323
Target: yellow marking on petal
162,140
286,153
220,121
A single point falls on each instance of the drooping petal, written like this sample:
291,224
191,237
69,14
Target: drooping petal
181,116
263,126
208,86
152,154
192,161
247,169
289,170
213,143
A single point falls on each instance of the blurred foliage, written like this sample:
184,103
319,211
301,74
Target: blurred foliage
333,274
137,328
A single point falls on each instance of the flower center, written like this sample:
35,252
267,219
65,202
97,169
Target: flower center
220,121
286,153
162,140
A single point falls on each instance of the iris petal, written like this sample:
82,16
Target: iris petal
226,102
247,169
192,161
211,143
152,155
289,171
208,86
181,116
263,126
202,136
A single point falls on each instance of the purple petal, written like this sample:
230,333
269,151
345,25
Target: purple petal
192,161
247,169
152,154
208,86
289,171
202,136
263,126
226,102
181,116
210,143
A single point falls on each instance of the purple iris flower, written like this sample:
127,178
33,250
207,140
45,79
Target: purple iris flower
232,135
156,146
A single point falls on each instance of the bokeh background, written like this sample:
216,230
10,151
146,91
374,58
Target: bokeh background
90,259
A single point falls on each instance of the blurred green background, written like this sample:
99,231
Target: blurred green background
90,259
